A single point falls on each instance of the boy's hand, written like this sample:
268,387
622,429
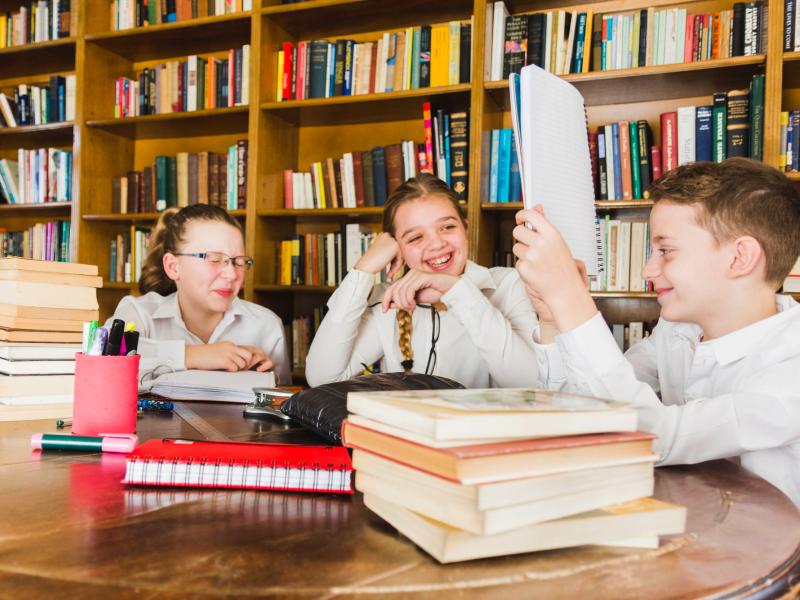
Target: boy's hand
383,252
417,286
548,270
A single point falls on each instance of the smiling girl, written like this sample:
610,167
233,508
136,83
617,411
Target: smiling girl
447,315
189,315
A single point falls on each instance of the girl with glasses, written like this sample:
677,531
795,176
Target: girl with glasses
446,315
189,315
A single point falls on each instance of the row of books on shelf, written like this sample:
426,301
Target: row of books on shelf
629,334
417,57
38,176
184,179
322,259
39,104
196,83
625,160
127,14
500,178
41,241
563,42
126,255
368,177
626,248
301,332
35,21
789,156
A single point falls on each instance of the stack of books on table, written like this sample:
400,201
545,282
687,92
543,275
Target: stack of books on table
43,306
469,474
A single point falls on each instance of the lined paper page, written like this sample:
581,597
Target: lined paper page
555,160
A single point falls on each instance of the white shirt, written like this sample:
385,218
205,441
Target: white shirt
163,335
737,395
485,335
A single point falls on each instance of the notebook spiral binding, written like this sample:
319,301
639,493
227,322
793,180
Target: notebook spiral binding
240,475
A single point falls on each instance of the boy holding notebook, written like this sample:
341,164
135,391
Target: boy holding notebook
720,375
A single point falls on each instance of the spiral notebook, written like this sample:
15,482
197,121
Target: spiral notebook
550,132
240,465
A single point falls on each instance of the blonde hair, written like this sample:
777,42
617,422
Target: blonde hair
412,189
166,237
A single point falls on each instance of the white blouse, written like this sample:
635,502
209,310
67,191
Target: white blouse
485,335
163,335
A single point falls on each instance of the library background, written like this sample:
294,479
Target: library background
300,118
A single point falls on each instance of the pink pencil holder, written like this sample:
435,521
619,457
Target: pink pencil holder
105,394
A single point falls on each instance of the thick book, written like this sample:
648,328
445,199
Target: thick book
493,413
66,279
48,407
7,322
21,351
737,128
445,508
25,335
34,312
32,385
506,460
703,135
47,266
559,176
240,465
48,295
515,46
635,519
37,367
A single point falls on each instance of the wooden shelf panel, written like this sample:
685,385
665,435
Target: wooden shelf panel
217,121
651,83
623,294
791,56
331,18
142,217
793,175
365,108
32,59
170,40
30,136
291,289
62,208
314,214
599,205
119,285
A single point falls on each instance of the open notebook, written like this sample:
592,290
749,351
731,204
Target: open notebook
549,121
209,385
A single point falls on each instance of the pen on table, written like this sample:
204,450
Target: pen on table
154,405
61,423
106,442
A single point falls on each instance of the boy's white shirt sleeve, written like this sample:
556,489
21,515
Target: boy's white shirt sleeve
348,335
763,413
154,353
550,366
501,335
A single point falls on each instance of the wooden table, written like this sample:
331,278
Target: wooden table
68,529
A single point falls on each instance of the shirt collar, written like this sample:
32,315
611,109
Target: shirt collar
480,276
738,344
169,309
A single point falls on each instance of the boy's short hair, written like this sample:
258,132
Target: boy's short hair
738,197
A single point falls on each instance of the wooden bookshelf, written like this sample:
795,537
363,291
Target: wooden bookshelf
290,135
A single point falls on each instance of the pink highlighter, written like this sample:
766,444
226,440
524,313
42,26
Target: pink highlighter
105,442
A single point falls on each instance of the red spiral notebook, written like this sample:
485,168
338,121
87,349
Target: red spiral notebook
240,465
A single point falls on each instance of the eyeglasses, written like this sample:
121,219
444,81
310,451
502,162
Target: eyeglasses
436,327
221,260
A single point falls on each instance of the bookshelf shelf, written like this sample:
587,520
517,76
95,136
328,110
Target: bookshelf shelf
142,217
47,207
793,175
194,36
599,205
791,56
329,18
232,119
402,105
118,285
623,294
52,134
290,289
42,57
364,213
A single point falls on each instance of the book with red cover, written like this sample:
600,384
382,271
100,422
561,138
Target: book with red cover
505,460
240,465
669,141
